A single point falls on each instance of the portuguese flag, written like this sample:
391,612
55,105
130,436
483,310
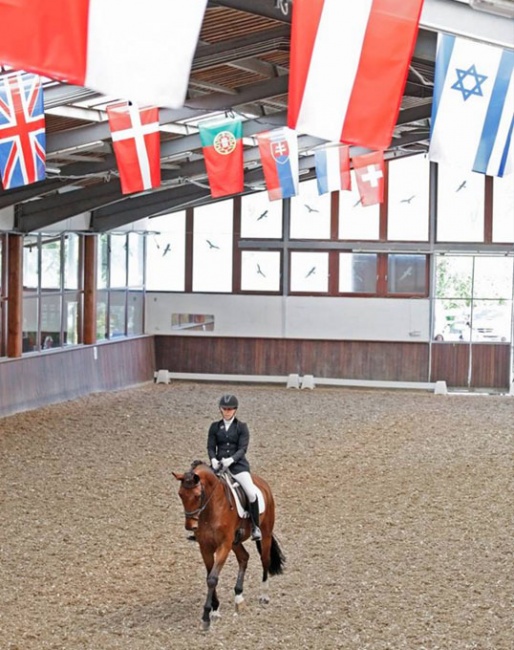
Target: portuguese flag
223,153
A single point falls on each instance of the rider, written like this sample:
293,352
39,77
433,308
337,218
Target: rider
227,443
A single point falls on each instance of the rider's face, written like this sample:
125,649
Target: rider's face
227,413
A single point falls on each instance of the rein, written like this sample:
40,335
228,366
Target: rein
191,514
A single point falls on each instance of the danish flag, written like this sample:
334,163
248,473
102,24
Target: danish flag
22,130
136,141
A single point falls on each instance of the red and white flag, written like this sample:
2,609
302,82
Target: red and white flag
369,173
136,142
128,49
349,65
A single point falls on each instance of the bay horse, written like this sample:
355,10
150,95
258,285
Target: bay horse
211,513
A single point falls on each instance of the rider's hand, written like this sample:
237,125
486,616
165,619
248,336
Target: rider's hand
227,462
215,463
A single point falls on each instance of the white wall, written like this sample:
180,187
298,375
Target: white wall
365,319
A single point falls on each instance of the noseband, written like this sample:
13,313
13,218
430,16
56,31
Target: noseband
195,514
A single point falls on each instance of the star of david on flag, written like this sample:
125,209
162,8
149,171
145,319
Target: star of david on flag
473,108
22,130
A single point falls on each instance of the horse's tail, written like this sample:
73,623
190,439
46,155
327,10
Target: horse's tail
277,558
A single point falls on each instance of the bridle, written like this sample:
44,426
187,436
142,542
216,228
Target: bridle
195,514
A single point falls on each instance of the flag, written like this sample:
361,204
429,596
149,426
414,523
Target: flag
223,153
136,142
279,155
22,130
140,51
473,108
349,64
369,173
333,168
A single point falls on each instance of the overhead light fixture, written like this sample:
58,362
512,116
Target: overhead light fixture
498,7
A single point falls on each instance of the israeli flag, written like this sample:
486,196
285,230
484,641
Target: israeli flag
473,106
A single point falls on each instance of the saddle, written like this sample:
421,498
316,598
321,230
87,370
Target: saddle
239,495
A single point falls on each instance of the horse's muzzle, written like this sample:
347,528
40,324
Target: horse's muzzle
191,524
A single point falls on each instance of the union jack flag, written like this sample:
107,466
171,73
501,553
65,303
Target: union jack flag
22,130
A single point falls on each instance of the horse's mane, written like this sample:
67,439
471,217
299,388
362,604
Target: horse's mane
196,463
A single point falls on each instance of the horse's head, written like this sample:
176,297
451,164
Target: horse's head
192,494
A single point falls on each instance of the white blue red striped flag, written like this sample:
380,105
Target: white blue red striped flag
473,107
349,65
333,168
279,155
22,130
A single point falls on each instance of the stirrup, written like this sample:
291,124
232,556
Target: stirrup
256,533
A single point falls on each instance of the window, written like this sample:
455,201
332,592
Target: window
260,271
503,209
309,272
357,222
460,205
260,218
407,214
406,274
358,273
310,213
166,253
212,247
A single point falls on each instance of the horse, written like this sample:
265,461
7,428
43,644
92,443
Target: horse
210,511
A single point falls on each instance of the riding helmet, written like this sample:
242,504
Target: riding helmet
228,402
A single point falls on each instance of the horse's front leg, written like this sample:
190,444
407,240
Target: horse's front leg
214,563
242,556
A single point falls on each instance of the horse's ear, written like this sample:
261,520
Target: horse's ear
179,477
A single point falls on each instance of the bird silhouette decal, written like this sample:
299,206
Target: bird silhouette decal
461,186
211,245
357,203
311,272
405,274
309,209
166,250
259,271
408,200
262,215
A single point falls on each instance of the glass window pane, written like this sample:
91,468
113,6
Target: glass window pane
51,264
166,253
30,263
309,272
407,218
355,221
310,213
135,259
101,315
71,317
135,309
491,320
102,275
406,274
358,272
30,340
260,271
50,320
118,261
460,205
453,277
260,217
493,277
71,261
117,304
212,247
503,209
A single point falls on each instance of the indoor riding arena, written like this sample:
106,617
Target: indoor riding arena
394,511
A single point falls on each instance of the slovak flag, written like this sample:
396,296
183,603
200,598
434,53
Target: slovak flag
128,49
279,155
345,55
22,130
333,168
369,173
136,142
473,109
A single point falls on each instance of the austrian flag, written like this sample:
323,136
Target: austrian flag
136,142
22,130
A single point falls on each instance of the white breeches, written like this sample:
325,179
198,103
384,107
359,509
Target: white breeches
245,481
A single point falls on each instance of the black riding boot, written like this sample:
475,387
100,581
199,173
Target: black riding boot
254,516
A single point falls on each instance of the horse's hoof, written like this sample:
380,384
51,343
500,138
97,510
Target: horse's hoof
205,626
264,599
215,615
239,602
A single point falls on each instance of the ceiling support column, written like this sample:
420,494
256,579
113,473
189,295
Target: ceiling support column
90,254
14,295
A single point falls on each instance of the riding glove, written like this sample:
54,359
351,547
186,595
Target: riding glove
215,463
227,462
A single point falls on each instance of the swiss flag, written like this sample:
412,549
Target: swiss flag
369,173
136,142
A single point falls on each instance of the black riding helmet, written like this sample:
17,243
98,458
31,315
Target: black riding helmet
228,402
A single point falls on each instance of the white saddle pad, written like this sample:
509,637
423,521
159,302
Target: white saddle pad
240,510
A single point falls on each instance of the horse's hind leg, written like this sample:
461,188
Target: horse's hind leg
242,556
